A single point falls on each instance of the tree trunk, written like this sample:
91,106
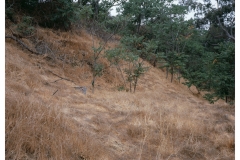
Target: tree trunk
179,75
166,72
171,74
154,61
130,86
96,7
139,21
93,81
135,85
122,75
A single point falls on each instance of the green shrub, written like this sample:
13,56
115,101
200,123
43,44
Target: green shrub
120,88
9,13
25,27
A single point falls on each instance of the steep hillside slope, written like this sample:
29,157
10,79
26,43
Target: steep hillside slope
46,117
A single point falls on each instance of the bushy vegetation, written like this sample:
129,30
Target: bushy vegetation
201,50
26,26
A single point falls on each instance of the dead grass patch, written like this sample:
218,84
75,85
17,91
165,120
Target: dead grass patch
37,131
162,120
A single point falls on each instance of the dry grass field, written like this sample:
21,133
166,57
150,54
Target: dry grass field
47,118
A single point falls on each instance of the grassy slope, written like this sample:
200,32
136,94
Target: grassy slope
162,120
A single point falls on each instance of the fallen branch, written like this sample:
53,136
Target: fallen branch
20,36
24,45
55,92
57,80
61,78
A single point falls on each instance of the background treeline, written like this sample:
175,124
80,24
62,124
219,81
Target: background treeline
200,50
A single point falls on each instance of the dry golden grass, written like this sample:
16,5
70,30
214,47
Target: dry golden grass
162,120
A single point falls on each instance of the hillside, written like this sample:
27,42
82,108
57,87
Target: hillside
47,118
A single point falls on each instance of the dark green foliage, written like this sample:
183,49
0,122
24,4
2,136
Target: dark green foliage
139,13
53,14
133,43
25,27
156,31
64,13
97,69
151,53
134,71
194,72
174,62
213,72
9,13
217,72
223,72
121,88
100,9
170,37
138,70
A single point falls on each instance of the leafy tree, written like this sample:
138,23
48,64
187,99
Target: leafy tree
222,73
170,36
134,71
220,20
64,14
115,56
97,67
194,72
214,53
100,9
141,12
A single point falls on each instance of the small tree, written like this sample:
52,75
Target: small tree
97,67
25,27
138,70
95,26
128,52
134,66
115,56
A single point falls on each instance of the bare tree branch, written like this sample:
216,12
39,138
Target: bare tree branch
61,78
24,45
225,30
